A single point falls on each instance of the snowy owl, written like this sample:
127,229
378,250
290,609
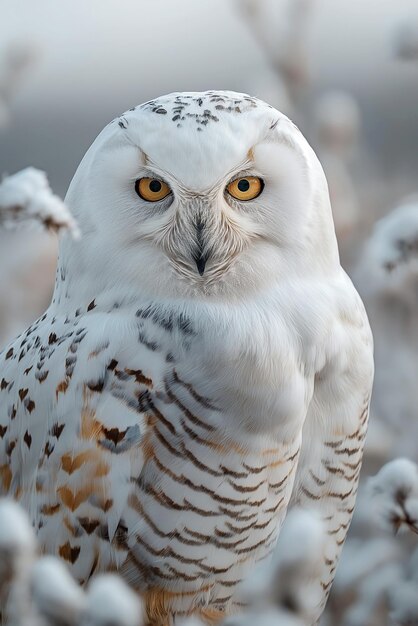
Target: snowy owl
205,362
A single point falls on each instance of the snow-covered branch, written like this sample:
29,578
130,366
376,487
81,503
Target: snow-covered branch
403,602
388,267
27,196
281,593
394,495
14,63
17,554
406,40
40,591
284,42
395,237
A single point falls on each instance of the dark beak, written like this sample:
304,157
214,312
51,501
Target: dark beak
200,258
200,264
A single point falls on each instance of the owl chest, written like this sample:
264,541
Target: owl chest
209,506
258,384
246,360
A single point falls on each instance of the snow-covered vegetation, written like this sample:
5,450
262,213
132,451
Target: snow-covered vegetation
377,582
27,197
39,590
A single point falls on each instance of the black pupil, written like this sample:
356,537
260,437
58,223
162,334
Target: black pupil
155,186
243,185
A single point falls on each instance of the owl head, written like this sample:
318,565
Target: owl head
198,195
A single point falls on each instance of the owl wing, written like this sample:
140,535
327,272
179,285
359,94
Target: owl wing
334,432
74,410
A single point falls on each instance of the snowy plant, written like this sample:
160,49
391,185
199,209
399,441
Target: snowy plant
282,591
265,617
390,260
110,601
376,576
24,261
55,594
40,591
337,120
387,278
406,40
394,495
336,128
14,63
26,196
17,554
403,602
283,35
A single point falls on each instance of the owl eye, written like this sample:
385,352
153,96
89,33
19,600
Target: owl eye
152,189
246,188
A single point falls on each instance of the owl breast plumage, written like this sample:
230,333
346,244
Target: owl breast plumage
203,361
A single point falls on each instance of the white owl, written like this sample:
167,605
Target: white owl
204,360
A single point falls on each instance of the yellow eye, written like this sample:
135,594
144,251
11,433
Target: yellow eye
246,188
152,189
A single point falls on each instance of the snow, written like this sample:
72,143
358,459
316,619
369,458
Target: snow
39,591
404,603
394,494
26,196
111,602
270,617
56,595
190,621
17,553
287,578
337,119
16,533
391,254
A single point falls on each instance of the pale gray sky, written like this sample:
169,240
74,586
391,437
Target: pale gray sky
100,57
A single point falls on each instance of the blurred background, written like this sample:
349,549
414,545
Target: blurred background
345,72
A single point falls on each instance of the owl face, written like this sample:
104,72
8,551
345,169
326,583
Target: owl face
200,195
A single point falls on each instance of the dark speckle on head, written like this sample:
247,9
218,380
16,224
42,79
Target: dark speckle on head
200,108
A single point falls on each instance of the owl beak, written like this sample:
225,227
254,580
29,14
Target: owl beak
200,258
200,264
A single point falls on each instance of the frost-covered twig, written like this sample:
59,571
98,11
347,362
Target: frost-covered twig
41,592
286,52
406,40
281,593
17,553
396,236
389,263
404,603
394,493
265,617
26,196
14,63
337,122
110,601
375,576
56,596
